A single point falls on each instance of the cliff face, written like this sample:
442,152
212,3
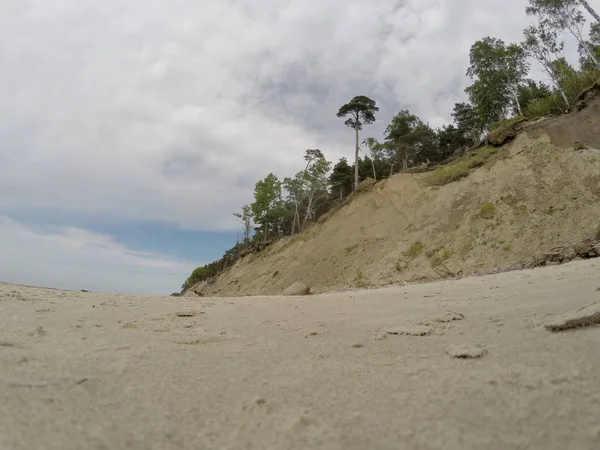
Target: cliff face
534,195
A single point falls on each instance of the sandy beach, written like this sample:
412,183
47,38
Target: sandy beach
462,364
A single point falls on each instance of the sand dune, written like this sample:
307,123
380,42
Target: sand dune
451,365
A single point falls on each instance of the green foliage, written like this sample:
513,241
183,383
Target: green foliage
497,70
352,248
415,249
361,110
341,179
460,169
467,122
308,190
500,97
487,210
503,131
267,207
440,258
245,218
542,107
408,138
360,280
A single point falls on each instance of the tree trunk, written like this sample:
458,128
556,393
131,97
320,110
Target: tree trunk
374,174
265,233
589,9
516,97
356,162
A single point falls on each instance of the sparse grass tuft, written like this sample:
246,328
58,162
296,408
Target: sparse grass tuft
398,265
351,248
487,210
360,280
580,146
415,249
439,259
507,247
461,169
504,131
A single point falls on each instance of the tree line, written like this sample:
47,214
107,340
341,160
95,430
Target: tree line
501,89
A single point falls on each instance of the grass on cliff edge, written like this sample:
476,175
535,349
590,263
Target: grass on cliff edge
461,168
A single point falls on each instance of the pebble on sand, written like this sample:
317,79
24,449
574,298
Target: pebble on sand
298,288
583,317
466,351
416,330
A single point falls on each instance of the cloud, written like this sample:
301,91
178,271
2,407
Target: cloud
172,110
75,258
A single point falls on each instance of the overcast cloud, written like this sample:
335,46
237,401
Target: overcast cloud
173,109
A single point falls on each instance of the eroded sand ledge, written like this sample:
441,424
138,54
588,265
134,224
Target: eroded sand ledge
335,371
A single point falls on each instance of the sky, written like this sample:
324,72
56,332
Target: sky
130,132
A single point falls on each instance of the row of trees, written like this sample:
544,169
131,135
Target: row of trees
500,89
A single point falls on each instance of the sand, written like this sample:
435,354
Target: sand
332,371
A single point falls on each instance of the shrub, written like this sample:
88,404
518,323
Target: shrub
543,107
439,259
487,210
415,249
351,248
504,131
461,169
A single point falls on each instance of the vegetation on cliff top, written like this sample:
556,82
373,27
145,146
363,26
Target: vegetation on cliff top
501,97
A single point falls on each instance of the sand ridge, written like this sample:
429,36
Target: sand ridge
464,364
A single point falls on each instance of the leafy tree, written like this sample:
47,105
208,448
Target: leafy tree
563,15
376,151
308,189
410,138
245,218
590,10
591,45
362,111
498,70
267,207
541,43
466,121
451,139
531,92
341,178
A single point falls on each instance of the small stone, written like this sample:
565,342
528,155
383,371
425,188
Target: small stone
298,288
466,351
583,249
583,317
417,330
357,345
596,249
380,336
260,401
449,316
570,254
553,257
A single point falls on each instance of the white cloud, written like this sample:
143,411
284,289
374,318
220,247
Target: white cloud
171,110
74,258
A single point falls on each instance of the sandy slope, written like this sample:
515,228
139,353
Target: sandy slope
89,371
544,194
